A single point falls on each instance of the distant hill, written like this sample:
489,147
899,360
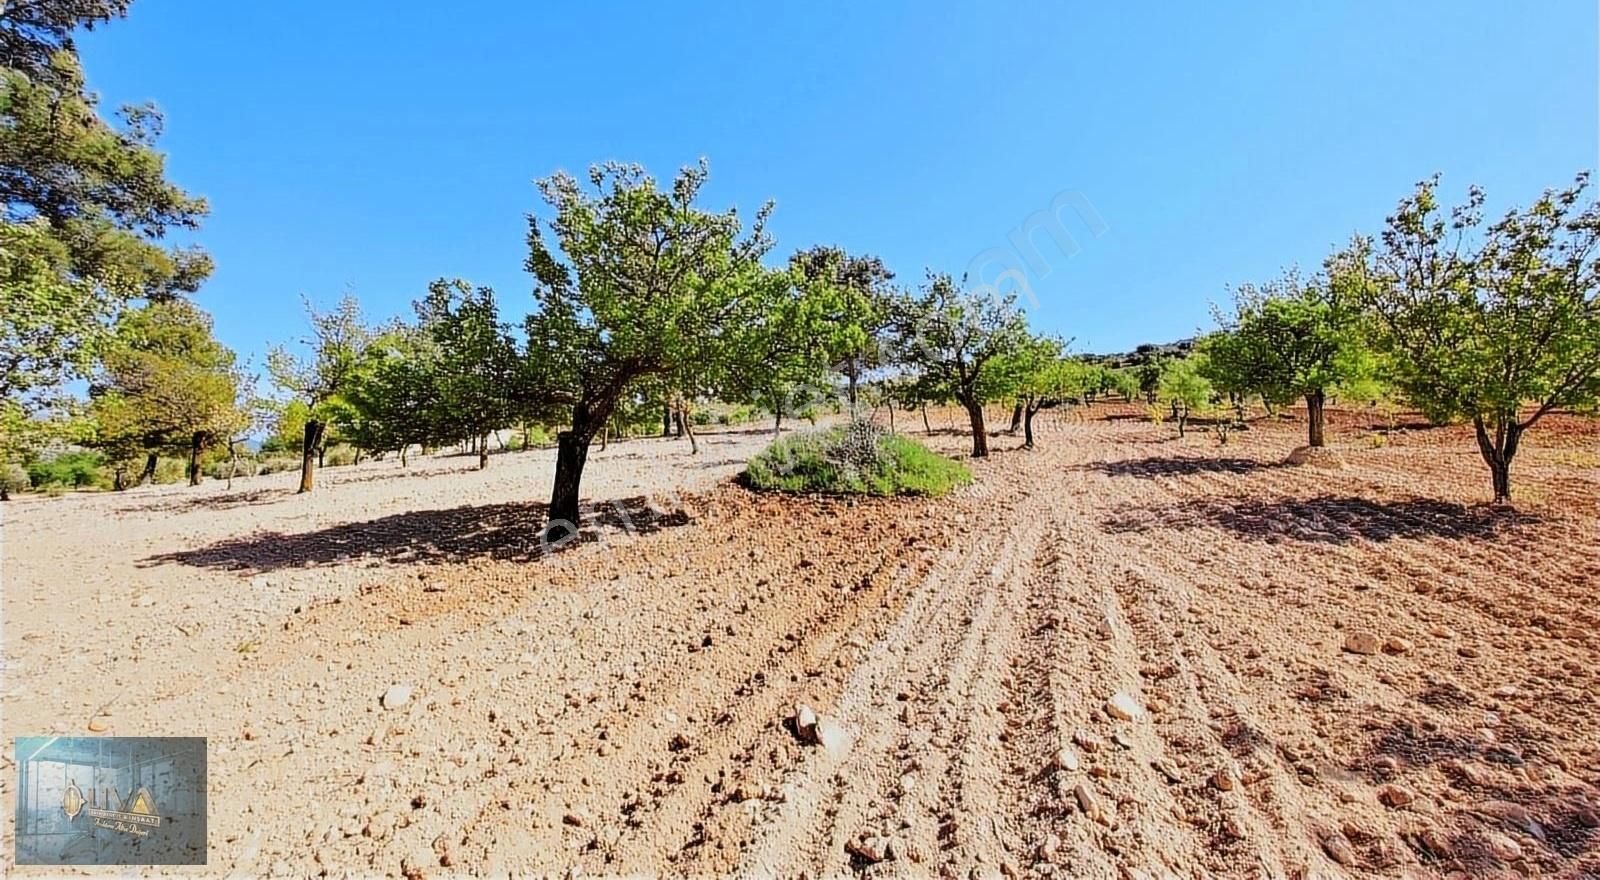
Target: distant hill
1143,354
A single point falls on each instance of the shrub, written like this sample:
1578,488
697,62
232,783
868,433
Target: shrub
855,459
273,464
74,470
339,455
171,470
15,478
538,436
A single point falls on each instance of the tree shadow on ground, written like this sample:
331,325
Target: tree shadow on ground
1325,520
491,531
230,501
1493,793
1174,466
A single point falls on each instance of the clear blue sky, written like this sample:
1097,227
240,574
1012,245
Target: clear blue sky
375,146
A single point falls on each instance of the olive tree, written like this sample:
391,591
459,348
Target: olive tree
1498,325
638,283
337,342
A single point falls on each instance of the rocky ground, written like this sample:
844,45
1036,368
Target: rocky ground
1119,655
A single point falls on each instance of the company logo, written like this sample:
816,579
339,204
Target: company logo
134,815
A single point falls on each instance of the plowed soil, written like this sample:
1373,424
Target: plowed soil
1347,667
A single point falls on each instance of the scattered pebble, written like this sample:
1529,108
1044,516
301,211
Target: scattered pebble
1362,643
396,696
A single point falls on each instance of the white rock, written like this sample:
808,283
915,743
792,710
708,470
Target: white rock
805,723
1066,759
396,696
1124,707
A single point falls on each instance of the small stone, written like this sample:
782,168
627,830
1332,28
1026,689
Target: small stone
1467,651
1168,771
1434,842
1395,795
97,726
1397,645
573,818
1362,643
871,849
1050,846
396,696
1066,759
1506,691
1502,847
1087,803
805,723
678,743
1338,848
1086,740
1123,707
1223,780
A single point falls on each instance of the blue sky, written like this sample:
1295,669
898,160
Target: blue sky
374,146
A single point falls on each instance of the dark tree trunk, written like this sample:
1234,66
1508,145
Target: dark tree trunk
527,437
1016,418
777,422
572,451
1027,426
1182,415
119,478
403,449
5,491
666,421
678,421
1498,449
1314,418
891,417
149,474
483,451
980,437
853,378
926,428
196,445
310,454
322,454
605,437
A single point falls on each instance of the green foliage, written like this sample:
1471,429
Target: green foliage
1185,388
474,364
288,428
166,383
1482,321
957,342
76,470
845,309
856,459
641,286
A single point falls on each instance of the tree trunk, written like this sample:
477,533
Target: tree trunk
5,491
403,449
1498,449
572,450
605,437
1314,418
195,447
688,428
677,421
666,420
119,478
483,451
322,454
980,437
310,454
891,417
852,379
777,422
1016,418
149,474
1182,415
1027,426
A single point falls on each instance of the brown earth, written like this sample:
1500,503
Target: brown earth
1359,671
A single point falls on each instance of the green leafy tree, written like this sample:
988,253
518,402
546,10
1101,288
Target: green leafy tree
475,362
166,383
1291,339
1184,388
391,402
1149,375
338,340
848,298
641,284
1496,325
955,338
1037,376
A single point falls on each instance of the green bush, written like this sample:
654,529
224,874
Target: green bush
171,470
70,470
538,436
15,478
855,459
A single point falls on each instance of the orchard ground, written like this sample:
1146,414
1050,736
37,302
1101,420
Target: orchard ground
624,706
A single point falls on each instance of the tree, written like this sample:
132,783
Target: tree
1038,377
849,298
166,383
955,337
1185,389
1499,328
85,204
475,361
337,343
391,403
646,285
1149,375
1291,339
